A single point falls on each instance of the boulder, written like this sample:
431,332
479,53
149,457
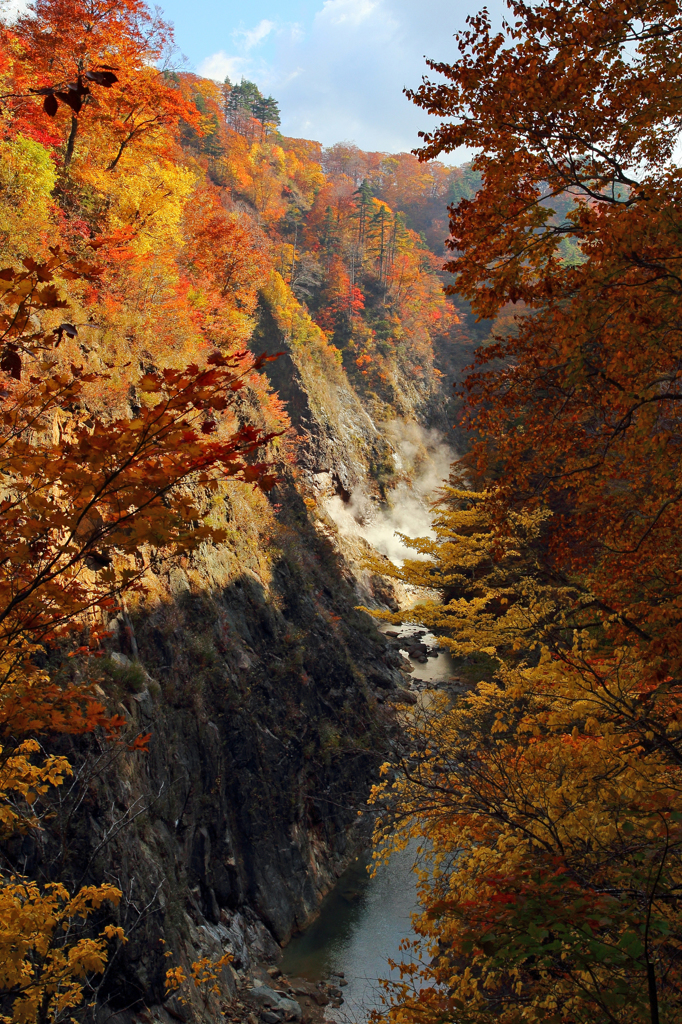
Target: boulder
304,988
264,997
402,697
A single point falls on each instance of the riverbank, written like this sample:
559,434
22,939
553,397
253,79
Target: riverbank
358,930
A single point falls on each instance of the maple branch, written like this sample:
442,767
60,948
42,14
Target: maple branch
135,133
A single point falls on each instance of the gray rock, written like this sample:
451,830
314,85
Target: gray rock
402,697
178,1010
291,1008
264,997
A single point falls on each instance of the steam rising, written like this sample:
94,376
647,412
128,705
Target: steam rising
422,460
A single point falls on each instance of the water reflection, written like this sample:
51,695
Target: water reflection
360,926
439,669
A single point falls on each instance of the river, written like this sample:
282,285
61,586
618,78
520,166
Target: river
363,919
360,926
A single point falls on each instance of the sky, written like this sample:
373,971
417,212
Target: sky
336,67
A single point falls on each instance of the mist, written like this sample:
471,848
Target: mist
422,462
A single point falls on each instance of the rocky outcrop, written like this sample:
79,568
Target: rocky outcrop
263,703
339,436
270,700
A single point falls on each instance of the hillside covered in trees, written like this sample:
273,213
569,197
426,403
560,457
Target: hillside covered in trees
193,179
207,328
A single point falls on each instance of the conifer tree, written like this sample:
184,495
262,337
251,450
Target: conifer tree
245,102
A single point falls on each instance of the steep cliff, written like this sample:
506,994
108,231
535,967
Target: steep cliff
268,698
261,700
266,694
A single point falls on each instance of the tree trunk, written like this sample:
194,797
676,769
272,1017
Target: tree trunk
71,141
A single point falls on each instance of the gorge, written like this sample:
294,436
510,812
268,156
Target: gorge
236,368
255,699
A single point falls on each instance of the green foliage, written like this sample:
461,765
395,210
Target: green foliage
129,676
246,100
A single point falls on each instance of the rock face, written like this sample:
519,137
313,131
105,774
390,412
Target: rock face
340,436
284,1008
270,701
266,731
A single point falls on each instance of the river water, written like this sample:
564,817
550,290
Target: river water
359,928
363,919
439,669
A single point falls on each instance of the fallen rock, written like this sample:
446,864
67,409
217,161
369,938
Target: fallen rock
402,697
304,988
291,1008
269,1000
418,653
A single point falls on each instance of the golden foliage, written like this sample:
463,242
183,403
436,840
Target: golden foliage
41,967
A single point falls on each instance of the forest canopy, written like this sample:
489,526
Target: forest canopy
547,800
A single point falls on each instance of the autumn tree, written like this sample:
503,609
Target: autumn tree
550,796
82,499
245,103
228,257
97,60
145,108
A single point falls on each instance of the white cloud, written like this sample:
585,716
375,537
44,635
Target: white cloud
347,12
252,37
282,82
337,67
220,66
357,55
241,64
